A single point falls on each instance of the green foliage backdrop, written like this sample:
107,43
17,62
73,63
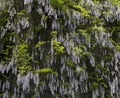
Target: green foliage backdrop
60,48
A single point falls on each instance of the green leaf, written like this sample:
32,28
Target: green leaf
39,44
70,63
45,70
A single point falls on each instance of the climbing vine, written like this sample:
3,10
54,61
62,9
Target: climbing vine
59,48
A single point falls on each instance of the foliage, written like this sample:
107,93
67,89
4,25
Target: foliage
45,70
4,17
69,63
59,49
39,44
22,59
64,48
